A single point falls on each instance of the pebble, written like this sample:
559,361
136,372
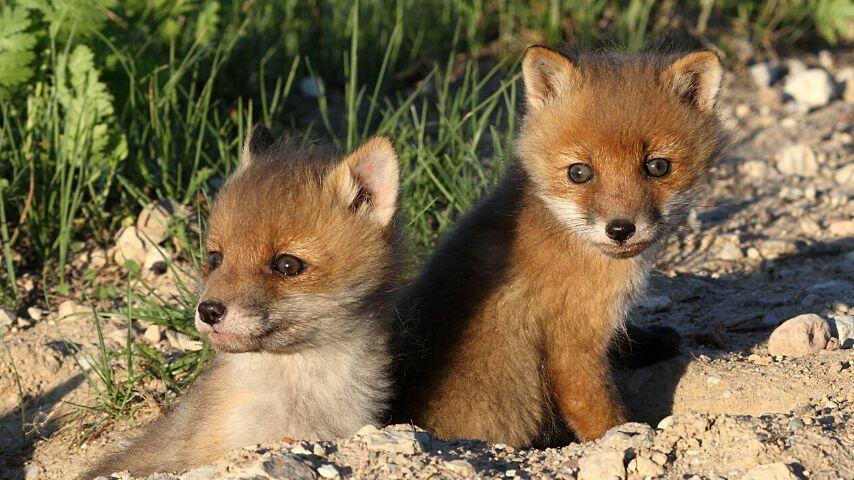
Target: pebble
153,221
799,336
730,251
155,260
796,424
797,160
69,308
811,88
35,313
775,248
327,471
764,74
713,379
842,327
7,318
153,334
770,471
129,247
277,465
120,335
755,169
605,465
762,360
844,175
398,441
666,422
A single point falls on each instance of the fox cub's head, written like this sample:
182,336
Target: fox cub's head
616,146
300,247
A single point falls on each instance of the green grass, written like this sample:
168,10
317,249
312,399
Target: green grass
108,104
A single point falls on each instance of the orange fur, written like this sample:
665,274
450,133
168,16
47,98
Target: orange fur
505,333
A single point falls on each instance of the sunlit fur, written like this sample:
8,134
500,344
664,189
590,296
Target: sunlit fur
296,354
505,332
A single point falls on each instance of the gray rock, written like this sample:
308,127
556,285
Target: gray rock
797,160
7,318
765,74
842,327
277,465
655,303
799,336
602,465
398,441
811,88
770,471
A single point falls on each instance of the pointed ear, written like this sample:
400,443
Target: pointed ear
367,180
547,74
696,79
259,140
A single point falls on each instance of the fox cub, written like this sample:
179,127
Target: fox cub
507,328
302,254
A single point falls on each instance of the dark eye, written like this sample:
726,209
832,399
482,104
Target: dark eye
214,259
657,167
288,265
580,172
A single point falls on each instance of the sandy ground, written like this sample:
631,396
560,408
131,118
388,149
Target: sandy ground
765,247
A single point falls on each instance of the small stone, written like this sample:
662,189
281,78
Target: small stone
327,471
398,441
605,465
129,247
730,251
844,175
765,73
799,336
809,226
848,91
510,473
713,379
659,458
97,259
666,422
461,467
825,59
841,228
120,335
775,248
7,318
367,430
300,450
35,313
69,308
796,424
276,465
797,160
842,327
152,224
811,88
762,360
770,471
182,341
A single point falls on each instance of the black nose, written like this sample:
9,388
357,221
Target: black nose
620,230
211,312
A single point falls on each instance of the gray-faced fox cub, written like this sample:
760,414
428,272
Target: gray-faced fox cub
295,296
507,328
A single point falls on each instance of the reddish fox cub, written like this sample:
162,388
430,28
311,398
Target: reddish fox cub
507,328
302,254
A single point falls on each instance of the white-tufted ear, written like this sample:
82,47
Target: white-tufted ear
547,74
368,181
696,79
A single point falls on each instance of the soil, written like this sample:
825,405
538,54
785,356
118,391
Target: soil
765,247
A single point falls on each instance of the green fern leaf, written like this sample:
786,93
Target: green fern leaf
16,49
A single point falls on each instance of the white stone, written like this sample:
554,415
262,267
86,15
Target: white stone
756,169
770,471
35,313
845,175
153,334
797,160
153,256
843,327
764,74
604,465
398,441
799,336
811,88
7,317
70,308
327,471
666,422
129,247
